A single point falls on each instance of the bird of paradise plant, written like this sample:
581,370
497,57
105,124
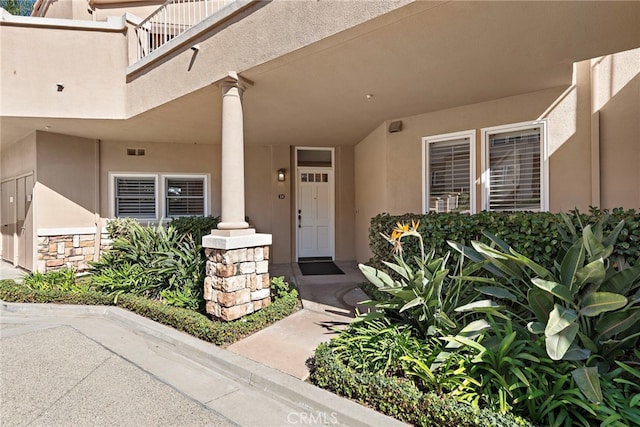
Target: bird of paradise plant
423,295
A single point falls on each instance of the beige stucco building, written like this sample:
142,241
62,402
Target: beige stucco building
361,107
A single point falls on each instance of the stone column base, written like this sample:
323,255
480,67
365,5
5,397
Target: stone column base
237,279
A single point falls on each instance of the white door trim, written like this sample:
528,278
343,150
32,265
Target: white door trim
332,192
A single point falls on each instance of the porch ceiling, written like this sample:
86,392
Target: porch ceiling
424,57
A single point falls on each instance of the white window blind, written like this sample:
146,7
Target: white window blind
449,175
184,197
515,170
135,197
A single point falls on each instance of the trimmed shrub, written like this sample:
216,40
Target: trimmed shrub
185,320
400,398
533,234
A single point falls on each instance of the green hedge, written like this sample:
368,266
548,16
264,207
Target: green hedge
189,321
534,234
400,398
196,226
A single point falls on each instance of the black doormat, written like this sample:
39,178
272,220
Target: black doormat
318,268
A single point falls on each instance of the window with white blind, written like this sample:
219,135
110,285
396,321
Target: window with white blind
514,177
135,197
158,196
448,172
184,196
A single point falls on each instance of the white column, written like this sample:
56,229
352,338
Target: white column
232,209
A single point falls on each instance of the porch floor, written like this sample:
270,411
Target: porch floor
8,271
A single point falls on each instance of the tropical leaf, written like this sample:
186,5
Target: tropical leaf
560,318
541,303
497,292
622,281
612,324
558,344
572,261
588,380
601,302
594,272
554,288
378,278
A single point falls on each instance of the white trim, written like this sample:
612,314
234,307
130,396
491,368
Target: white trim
160,196
332,197
471,134
112,195
205,178
544,158
44,232
112,24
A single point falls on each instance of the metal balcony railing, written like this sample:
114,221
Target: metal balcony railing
171,19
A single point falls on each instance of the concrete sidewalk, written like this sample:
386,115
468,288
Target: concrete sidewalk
77,365
8,271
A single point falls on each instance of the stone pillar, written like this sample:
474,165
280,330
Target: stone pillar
237,280
232,216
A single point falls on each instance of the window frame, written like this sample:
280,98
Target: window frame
485,177
426,172
205,191
160,179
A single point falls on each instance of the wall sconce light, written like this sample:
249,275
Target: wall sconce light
281,174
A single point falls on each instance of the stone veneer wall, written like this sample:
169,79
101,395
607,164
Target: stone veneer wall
237,281
69,251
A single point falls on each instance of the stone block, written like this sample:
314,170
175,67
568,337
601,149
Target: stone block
55,263
76,258
213,309
60,248
261,294
230,299
235,283
258,254
250,254
210,294
235,255
265,252
43,241
89,250
87,238
42,266
247,268
253,281
76,241
210,267
87,243
235,312
225,270
266,283
262,267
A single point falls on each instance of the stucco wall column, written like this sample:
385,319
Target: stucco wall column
237,281
232,194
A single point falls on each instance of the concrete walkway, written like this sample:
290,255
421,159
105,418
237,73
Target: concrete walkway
329,304
78,365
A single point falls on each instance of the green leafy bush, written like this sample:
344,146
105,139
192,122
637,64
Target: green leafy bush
196,226
151,261
62,280
280,288
400,398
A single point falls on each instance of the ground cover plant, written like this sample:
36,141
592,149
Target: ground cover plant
157,273
551,342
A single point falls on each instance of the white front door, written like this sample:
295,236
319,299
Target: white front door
315,212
